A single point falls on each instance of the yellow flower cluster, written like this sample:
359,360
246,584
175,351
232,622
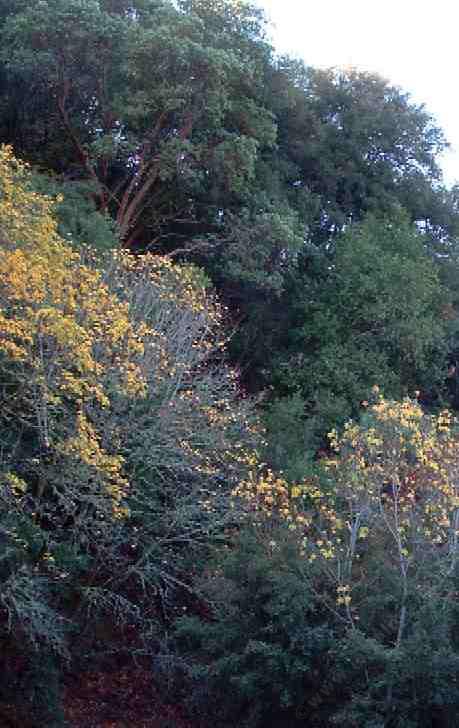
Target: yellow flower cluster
407,461
85,447
182,286
270,496
66,340
392,485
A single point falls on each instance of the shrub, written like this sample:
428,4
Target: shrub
122,435
262,656
358,624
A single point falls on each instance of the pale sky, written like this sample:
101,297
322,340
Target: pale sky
412,43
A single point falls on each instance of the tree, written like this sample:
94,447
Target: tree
357,144
373,314
348,145
152,138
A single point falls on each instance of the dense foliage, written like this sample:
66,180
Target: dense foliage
229,342
376,313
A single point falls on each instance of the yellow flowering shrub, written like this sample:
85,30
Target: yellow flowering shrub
388,498
122,431
400,469
268,495
394,497
67,346
191,439
113,363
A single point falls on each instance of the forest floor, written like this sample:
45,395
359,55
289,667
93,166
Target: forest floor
125,698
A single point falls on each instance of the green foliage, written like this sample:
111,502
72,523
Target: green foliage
291,439
271,652
372,314
31,688
150,138
358,144
78,220
263,654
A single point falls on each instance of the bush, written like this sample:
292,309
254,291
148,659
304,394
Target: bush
346,614
122,436
262,656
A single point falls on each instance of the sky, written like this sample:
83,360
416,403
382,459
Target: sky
414,44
